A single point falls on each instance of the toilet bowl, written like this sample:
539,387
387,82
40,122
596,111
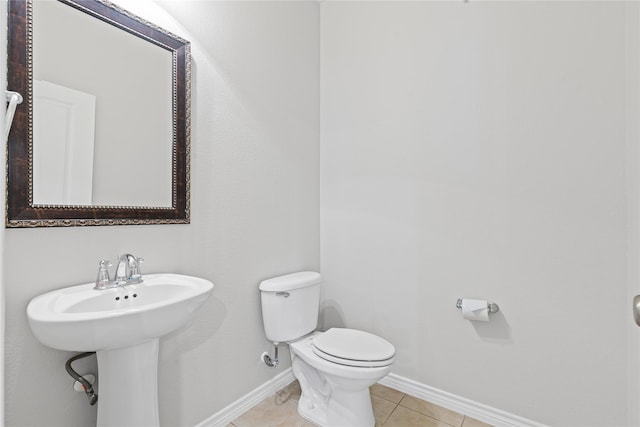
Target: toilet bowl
334,368
335,393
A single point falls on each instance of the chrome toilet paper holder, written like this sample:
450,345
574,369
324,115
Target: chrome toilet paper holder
492,306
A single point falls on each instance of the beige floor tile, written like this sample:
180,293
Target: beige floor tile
381,409
270,413
280,410
472,422
387,393
403,417
292,391
432,410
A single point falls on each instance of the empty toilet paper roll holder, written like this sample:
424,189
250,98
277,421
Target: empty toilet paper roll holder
492,306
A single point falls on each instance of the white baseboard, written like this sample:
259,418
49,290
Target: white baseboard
479,411
249,400
456,403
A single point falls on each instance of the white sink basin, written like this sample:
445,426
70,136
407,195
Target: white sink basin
123,326
80,318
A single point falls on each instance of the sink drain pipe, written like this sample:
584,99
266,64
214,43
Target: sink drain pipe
86,385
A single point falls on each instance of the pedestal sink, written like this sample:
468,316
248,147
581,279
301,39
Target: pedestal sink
123,326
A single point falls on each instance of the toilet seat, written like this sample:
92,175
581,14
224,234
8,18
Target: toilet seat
352,347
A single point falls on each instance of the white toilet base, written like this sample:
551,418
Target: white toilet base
333,395
351,409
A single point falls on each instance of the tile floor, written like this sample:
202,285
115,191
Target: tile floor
391,408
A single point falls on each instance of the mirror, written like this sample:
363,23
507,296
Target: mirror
103,135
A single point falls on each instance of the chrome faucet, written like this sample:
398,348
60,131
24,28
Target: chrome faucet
127,272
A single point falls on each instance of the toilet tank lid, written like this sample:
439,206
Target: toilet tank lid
291,281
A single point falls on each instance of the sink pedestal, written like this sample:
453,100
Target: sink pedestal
128,386
128,321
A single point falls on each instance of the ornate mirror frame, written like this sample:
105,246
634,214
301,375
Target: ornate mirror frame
21,211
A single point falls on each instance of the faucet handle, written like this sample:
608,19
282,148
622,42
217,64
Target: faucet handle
103,279
134,269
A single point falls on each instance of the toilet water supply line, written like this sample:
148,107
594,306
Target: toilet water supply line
272,362
86,385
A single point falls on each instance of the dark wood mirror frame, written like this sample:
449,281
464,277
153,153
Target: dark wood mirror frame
21,212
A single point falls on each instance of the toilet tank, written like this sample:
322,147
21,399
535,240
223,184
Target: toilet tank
290,305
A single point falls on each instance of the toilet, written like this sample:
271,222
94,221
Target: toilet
334,368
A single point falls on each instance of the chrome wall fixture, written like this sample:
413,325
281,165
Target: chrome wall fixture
13,98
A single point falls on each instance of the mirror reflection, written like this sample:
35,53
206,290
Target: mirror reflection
102,112
103,134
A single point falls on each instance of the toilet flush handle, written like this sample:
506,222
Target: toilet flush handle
283,294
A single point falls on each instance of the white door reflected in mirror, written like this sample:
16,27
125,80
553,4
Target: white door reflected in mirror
63,140
131,81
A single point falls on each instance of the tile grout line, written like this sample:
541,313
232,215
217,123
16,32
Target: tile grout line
394,400
422,414
430,415
389,416
396,404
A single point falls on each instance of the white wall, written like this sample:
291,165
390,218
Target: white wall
255,214
478,150
632,90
